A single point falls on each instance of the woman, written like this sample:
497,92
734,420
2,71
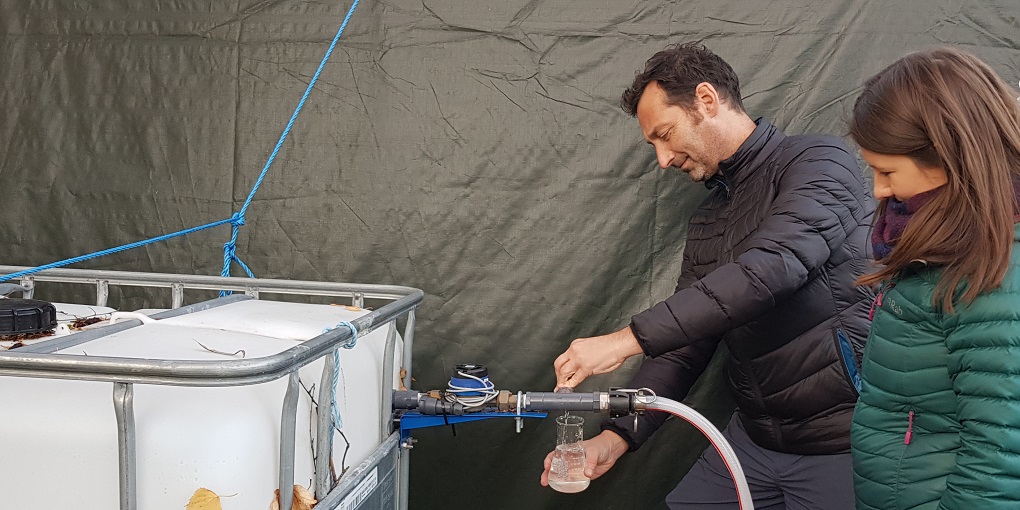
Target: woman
937,424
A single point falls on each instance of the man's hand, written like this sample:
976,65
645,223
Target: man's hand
600,454
594,355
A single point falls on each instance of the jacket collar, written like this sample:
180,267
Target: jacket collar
736,168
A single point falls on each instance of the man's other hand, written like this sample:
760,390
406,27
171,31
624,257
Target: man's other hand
600,454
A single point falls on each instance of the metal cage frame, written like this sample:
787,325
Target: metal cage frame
40,360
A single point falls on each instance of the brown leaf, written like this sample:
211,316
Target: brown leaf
204,499
81,323
303,499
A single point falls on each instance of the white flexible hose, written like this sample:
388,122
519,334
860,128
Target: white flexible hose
119,316
721,445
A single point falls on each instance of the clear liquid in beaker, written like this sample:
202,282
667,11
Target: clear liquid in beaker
567,471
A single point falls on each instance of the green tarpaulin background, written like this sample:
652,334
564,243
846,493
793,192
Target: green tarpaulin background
472,148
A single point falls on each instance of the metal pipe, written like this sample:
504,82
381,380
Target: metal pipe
408,348
404,455
79,338
181,310
202,282
324,425
123,406
288,434
386,410
28,282
323,419
197,373
404,477
102,292
176,295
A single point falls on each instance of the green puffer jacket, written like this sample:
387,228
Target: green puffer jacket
937,425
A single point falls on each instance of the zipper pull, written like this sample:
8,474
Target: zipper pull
910,427
875,303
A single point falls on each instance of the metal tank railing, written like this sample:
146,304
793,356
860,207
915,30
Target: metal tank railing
39,360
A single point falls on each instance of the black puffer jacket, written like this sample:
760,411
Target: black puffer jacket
769,268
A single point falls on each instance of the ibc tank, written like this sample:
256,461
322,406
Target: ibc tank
60,446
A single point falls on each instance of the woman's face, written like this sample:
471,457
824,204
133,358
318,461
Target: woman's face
901,177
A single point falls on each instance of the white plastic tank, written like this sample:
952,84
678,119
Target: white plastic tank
60,444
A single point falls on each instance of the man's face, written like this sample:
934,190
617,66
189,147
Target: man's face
681,138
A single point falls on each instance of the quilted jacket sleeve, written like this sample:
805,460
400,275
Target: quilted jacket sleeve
984,364
805,222
671,375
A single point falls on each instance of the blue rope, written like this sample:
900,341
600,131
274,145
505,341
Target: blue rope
333,408
230,248
237,219
109,251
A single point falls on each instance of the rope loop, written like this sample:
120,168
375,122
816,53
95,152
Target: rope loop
354,331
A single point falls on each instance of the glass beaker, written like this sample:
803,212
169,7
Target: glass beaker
567,471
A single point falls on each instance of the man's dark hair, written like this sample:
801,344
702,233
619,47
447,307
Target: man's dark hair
679,69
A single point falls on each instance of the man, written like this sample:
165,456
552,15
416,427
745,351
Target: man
769,268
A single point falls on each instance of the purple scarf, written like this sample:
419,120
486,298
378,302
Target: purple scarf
889,227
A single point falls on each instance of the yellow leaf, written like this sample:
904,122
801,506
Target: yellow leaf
303,499
204,499
348,307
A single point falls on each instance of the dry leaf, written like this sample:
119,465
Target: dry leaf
403,374
303,499
204,499
348,307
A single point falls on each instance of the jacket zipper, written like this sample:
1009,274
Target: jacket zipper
759,400
846,354
910,428
877,302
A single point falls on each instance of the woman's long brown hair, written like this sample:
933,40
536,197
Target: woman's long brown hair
946,108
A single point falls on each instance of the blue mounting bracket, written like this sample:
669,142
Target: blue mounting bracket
414,420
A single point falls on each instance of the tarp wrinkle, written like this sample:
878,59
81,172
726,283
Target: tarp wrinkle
474,149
